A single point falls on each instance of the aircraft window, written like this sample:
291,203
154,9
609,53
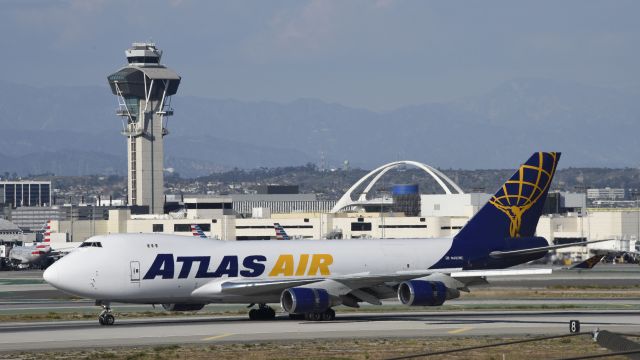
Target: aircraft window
91,244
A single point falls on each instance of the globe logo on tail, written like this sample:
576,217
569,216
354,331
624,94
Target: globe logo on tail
525,188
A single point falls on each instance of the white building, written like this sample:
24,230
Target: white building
606,194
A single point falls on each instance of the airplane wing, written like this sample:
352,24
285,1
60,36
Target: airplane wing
367,287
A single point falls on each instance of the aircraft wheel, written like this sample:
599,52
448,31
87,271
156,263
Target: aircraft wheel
253,314
329,315
271,314
315,316
297,316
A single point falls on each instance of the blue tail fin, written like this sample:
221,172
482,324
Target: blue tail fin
508,221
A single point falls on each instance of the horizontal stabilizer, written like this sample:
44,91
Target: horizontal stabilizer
504,254
589,263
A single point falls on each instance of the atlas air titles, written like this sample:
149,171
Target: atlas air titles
164,266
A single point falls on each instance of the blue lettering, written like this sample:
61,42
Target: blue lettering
253,264
228,266
202,269
162,266
187,262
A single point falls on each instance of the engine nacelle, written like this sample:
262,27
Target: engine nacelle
425,293
183,307
299,300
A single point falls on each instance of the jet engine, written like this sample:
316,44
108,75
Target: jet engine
299,300
183,307
425,293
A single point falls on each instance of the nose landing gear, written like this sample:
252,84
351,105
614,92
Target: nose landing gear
106,317
263,312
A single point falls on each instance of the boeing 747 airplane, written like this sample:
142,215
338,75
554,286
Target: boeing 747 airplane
309,278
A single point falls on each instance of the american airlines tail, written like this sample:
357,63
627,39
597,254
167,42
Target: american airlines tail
46,231
280,233
197,231
502,233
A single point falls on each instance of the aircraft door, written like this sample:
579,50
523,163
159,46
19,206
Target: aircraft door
135,271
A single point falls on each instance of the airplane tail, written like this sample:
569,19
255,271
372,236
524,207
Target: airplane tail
46,231
508,221
197,231
280,233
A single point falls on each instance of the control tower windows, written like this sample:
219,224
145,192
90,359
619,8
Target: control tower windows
143,60
133,104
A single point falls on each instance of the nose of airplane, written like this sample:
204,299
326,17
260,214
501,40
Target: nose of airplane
69,273
51,275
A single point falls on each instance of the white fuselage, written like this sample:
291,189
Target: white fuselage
150,268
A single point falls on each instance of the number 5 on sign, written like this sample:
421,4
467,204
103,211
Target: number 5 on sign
574,326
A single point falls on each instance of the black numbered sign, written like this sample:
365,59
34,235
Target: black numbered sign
574,326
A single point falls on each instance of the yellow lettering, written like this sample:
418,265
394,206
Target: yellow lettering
320,262
302,266
283,266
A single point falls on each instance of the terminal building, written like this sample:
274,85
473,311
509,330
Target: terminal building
440,216
606,194
10,233
25,193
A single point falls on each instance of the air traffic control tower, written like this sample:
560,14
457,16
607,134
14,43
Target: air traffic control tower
144,88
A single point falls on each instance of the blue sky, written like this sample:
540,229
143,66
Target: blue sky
378,54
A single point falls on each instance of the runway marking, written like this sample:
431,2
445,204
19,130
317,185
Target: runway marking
216,337
461,330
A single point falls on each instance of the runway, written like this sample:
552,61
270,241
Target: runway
25,293
88,334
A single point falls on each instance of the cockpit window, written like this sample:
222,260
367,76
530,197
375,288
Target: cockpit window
91,244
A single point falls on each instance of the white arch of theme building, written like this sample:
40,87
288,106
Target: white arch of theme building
346,200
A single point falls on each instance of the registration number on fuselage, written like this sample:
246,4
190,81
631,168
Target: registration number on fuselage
165,266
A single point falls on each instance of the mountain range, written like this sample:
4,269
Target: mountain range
74,130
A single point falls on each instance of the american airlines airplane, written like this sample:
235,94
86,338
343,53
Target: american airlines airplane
306,277
33,255
27,256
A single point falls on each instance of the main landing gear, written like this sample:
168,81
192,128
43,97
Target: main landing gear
106,317
327,315
263,312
